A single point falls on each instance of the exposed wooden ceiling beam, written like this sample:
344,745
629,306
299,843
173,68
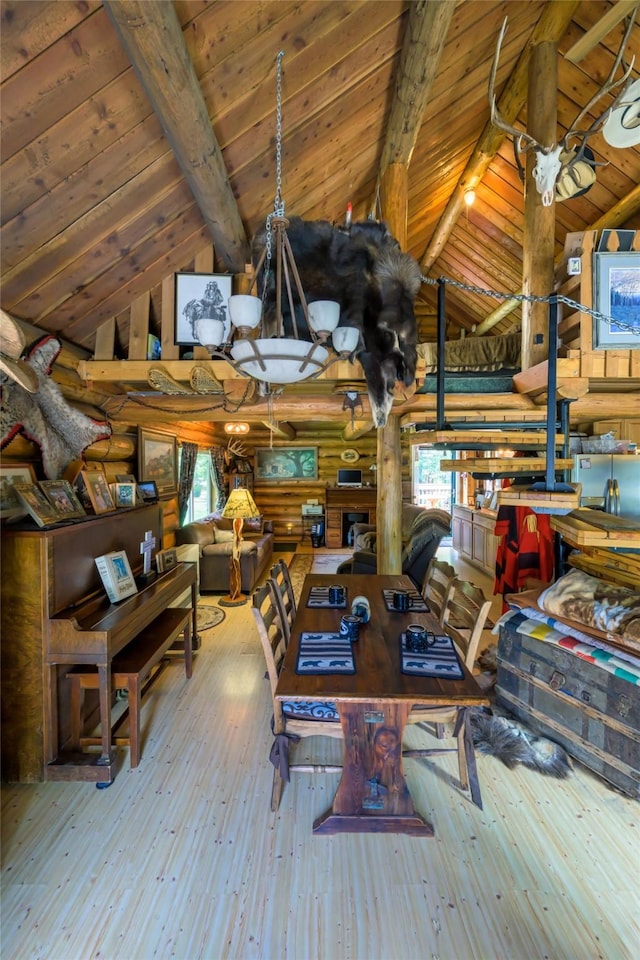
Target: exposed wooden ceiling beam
281,429
599,30
554,20
623,210
151,35
424,41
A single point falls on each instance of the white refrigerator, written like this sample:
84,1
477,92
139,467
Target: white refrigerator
610,481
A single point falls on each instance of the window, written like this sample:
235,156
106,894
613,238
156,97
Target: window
431,487
202,496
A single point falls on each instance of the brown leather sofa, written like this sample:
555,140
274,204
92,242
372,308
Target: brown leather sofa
214,536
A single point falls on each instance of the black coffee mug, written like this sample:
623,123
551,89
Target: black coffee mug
350,627
401,599
418,639
336,593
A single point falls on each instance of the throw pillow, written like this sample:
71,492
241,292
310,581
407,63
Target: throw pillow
224,536
253,525
368,541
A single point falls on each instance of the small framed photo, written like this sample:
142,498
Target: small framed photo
63,498
201,295
10,473
166,559
158,460
36,504
147,491
93,490
124,494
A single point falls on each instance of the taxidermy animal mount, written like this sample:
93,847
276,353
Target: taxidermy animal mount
556,160
376,284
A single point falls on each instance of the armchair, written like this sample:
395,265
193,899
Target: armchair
426,532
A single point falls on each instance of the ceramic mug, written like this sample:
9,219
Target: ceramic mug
336,593
350,627
401,599
418,639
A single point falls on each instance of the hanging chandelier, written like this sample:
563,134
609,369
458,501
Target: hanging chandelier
272,356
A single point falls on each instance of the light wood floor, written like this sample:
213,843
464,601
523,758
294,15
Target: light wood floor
182,858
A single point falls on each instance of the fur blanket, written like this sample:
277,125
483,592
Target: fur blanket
613,609
474,354
376,285
512,743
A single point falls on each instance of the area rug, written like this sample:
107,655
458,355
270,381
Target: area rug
328,562
209,617
299,567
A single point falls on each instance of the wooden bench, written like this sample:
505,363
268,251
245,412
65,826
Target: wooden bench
132,669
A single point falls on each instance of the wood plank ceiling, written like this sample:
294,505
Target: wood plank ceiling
96,210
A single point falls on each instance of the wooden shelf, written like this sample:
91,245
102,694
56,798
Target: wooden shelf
542,501
589,528
504,465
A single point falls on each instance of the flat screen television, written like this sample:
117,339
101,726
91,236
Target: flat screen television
349,478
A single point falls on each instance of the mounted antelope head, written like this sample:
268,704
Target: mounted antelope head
559,157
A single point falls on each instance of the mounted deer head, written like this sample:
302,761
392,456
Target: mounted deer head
560,157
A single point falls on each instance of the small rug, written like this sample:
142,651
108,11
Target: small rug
209,617
328,562
298,569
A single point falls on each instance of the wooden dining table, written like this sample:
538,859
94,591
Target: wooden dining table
373,704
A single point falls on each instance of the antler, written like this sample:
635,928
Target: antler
524,140
238,449
609,85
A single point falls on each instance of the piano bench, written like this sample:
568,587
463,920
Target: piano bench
131,670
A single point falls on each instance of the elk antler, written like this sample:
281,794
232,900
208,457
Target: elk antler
610,84
496,119
238,449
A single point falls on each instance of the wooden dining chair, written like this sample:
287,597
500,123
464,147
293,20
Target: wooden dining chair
464,616
285,594
436,586
294,719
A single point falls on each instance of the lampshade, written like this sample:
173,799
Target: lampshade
209,332
236,427
240,505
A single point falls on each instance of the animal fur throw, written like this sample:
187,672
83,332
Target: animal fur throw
376,285
512,743
61,432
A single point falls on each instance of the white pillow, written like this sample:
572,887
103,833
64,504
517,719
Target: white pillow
224,536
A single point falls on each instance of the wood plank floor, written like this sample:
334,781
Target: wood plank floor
182,858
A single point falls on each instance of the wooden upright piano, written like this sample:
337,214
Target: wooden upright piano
55,613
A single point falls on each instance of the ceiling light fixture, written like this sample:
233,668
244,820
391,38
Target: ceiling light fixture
279,358
470,197
236,428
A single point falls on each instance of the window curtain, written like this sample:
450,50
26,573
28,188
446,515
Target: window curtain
217,477
187,471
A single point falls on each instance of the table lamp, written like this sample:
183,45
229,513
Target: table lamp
238,507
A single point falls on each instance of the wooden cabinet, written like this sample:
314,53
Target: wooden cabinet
622,429
473,536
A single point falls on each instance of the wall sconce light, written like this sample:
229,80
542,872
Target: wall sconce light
236,428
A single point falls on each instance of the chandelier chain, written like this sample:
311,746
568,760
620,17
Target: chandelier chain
278,202
531,298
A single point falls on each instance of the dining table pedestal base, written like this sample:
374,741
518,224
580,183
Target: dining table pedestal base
373,796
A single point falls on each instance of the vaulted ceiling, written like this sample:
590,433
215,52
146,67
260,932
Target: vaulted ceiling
103,196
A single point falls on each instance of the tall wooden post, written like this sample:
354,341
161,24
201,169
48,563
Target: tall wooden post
539,221
394,199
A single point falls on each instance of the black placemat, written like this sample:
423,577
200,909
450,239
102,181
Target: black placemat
417,603
319,597
440,660
325,653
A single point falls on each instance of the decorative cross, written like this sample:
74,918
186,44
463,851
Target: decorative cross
146,548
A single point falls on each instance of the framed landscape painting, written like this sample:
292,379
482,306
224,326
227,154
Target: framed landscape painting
158,460
286,463
617,295
10,473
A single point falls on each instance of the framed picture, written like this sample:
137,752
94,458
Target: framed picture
63,498
36,504
617,295
124,494
158,460
10,473
116,575
166,559
94,492
200,295
147,491
286,463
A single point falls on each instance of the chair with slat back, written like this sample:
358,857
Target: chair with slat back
295,719
285,595
465,612
436,584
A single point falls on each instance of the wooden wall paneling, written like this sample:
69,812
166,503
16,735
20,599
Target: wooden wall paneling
139,327
104,346
169,349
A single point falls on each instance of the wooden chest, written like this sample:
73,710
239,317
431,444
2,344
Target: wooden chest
592,713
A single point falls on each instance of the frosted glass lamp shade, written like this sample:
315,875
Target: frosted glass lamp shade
323,316
345,339
209,332
245,312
